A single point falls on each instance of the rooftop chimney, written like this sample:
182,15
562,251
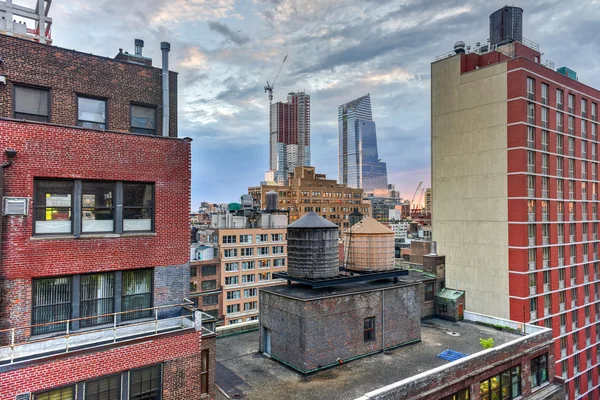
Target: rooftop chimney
139,45
165,47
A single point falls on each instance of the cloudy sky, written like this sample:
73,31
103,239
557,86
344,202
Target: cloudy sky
225,50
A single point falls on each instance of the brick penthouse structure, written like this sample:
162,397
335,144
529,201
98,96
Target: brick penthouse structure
516,142
94,256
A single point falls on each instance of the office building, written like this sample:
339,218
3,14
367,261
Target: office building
515,175
289,140
94,252
359,165
308,191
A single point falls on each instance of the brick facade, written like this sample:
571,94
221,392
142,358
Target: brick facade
198,294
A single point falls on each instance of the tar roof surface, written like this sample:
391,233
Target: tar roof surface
267,379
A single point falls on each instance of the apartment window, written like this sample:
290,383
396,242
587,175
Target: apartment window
531,185
204,366
530,88
539,370
531,113
369,329
247,265
233,295
229,253
531,137
506,385
143,119
533,304
250,306
210,300
138,207
544,93
208,270
229,239
53,207
108,387
594,111
32,104
246,251
264,263
545,140
91,113
559,99
460,395
136,293
276,237
96,298
248,278
279,262
264,276
545,186
246,239
545,163
583,129
531,253
530,161
232,267
261,238
263,251
559,125
234,321
230,280
277,249
429,291
533,282
145,383
571,103
584,108
64,393
250,293
97,207
233,308
51,301
544,117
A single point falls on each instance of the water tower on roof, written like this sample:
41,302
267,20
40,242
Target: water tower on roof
369,247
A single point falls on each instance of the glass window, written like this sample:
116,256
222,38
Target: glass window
51,302
32,104
137,293
138,207
91,113
233,295
506,385
97,298
65,393
143,119
145,383
53,206
210,300
97,207
208,270
204,366
539,370
429,288
369,329
105,388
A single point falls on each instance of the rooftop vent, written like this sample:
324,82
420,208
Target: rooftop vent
459,47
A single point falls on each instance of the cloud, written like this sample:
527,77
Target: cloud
228,33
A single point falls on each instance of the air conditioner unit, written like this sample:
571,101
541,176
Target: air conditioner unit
15,206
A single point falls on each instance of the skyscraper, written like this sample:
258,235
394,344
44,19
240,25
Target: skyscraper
289,137
359,165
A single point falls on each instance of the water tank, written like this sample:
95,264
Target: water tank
506,25
312,244
272,201
246,201
369,247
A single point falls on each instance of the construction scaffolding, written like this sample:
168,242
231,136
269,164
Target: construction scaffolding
15,19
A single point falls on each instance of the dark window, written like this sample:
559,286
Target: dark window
107,388
506,385
193,287
53,207
443,307
429,295
369,329
91,113
204,371
138,207
460,395
32,104
208,270
210,300
145,383
97,298
193,272
137,293
51,300
97,207
209,285
539,370
65,393
143,119
213,313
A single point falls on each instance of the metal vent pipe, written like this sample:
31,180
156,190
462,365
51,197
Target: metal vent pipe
165,47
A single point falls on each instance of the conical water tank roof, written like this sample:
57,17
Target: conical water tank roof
370,247
312,220
370,225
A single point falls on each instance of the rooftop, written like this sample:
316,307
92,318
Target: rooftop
312,220
241,369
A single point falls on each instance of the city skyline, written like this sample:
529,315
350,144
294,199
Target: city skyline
226,51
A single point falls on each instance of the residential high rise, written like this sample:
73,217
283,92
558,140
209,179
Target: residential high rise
289,137
359,165
94,238
515,176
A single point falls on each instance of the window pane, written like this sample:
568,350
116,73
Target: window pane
137,293
91,113
31,103
145,383
65,393
53,202
51,301
97,207
137,206
107,388
143,119
97,298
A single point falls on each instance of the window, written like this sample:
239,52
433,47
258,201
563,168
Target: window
559,127
369,329
97,207
210,285
210,300
247,265
136,293
229,253
276,237
65,393
531,137
229,239
531,161
248,278
262,238
249,292
277,249
571,103
108,387
232,267
53,207
544,117
143,119
530,88
506,385
559,99
208,270
460,395
51,301
204,365
32,104
279,262
545,140
145,383
193,271
138,207
231,280
97,298
233,295
91,113
544,93
246,251
262,251
245,238
250,306
233,308
429,288
530,113
264,276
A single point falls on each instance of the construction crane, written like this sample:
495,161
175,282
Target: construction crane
270,86
421,200
415,195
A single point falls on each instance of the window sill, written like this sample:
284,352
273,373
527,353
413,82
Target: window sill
94,236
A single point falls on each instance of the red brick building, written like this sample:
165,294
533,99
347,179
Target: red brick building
94,251
518,141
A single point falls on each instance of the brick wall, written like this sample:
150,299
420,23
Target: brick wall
68,73
199,278
417,250
171,286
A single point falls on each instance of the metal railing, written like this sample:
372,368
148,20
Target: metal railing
24,345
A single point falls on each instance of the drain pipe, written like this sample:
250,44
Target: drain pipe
10,154
383,320
165,47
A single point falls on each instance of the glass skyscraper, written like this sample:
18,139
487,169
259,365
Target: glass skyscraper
359,165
